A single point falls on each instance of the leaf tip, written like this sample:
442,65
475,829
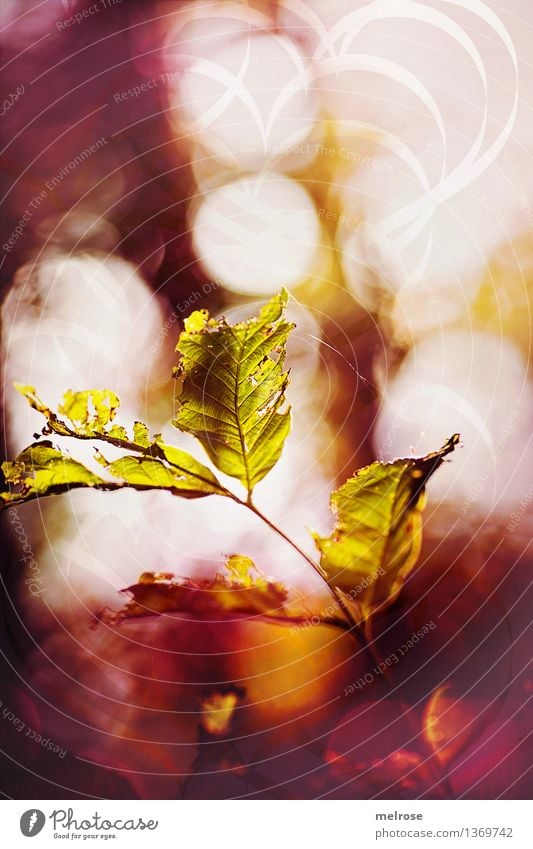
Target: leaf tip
196,322
24,389
450,444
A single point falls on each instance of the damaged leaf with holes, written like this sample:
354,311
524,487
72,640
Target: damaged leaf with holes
43,469
232,388
378,530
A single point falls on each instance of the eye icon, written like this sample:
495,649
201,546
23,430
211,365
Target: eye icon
32,822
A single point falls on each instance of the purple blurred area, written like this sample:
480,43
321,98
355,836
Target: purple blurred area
111,186
134,183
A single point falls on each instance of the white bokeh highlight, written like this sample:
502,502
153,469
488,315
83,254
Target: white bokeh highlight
257,234
249,103
473,384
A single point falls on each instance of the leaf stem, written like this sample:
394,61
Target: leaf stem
360,631
318,569
355,629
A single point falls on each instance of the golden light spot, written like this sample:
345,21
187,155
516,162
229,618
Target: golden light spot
217,712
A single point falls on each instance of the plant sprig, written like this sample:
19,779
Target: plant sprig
232,396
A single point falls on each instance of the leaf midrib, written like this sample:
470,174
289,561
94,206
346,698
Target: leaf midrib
236,408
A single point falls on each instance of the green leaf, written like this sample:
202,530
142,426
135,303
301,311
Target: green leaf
232,387
44,470
140,434
377,535
89,410
190,480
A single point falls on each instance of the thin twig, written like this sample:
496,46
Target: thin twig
355,628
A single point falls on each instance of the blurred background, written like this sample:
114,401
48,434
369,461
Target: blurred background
375,159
